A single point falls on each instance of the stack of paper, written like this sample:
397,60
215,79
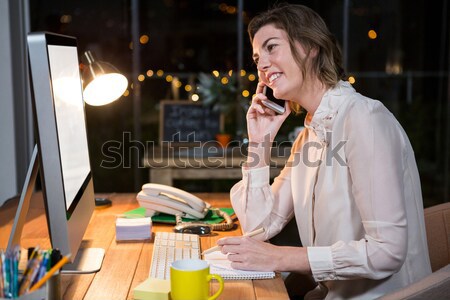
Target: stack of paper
133,229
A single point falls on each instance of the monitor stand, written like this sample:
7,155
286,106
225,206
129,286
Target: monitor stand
88,260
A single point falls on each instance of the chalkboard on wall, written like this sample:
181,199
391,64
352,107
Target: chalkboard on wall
187,122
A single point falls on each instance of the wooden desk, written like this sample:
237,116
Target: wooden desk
126,264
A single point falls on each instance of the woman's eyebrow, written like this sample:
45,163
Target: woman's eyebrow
268,40
264,45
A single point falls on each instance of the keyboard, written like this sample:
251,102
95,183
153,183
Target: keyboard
169,247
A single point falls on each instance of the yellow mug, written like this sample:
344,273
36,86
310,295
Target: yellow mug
189,280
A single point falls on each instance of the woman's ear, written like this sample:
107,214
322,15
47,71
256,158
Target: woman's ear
313,52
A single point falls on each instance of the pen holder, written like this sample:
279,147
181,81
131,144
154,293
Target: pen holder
50,291
53,287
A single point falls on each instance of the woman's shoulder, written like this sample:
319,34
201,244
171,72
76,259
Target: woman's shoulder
364,114
346,100
361,107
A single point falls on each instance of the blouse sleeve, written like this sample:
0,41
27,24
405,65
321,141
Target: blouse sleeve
259,204
375,153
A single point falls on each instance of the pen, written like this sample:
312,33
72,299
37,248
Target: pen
34,252
35,271
2,257
15,265
253,233
43,266
32,264
8,292
52,271
30,252
55,256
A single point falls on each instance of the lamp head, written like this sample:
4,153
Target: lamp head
102,82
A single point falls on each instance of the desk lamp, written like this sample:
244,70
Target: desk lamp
102,84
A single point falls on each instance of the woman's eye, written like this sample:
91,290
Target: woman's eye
270,47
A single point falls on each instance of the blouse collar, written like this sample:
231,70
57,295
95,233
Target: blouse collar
322,120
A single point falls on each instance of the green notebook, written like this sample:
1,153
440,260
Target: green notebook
210,218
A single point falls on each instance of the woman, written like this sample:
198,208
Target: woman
351,181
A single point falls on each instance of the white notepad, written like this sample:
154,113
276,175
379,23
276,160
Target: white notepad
219,264
133,229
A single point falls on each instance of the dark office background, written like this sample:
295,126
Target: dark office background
405,66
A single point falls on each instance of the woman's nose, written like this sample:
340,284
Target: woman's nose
263,64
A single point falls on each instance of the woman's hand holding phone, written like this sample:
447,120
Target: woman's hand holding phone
263,123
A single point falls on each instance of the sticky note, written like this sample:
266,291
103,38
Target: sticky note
152,288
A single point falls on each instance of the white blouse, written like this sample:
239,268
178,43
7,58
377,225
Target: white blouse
353,185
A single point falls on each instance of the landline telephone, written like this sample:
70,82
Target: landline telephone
173,201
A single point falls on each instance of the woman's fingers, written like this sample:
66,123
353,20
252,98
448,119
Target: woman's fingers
256,106
235,244
260,87
229,241
258,97
259,107
269,112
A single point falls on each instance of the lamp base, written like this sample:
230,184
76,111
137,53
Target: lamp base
102,203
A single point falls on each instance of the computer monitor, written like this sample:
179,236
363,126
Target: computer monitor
62,150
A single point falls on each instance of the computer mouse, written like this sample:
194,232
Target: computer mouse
193,227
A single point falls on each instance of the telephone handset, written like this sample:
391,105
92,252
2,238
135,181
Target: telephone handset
170,200
162,198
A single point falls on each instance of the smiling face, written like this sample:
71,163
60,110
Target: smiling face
296,54
276,65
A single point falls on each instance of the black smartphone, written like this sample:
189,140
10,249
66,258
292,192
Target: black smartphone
277,105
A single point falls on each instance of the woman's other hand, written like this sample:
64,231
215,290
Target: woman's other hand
246,253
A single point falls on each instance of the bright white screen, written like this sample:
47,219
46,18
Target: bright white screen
69,108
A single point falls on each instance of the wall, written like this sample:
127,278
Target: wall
8,174
16,125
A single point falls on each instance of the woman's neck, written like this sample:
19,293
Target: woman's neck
311,96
